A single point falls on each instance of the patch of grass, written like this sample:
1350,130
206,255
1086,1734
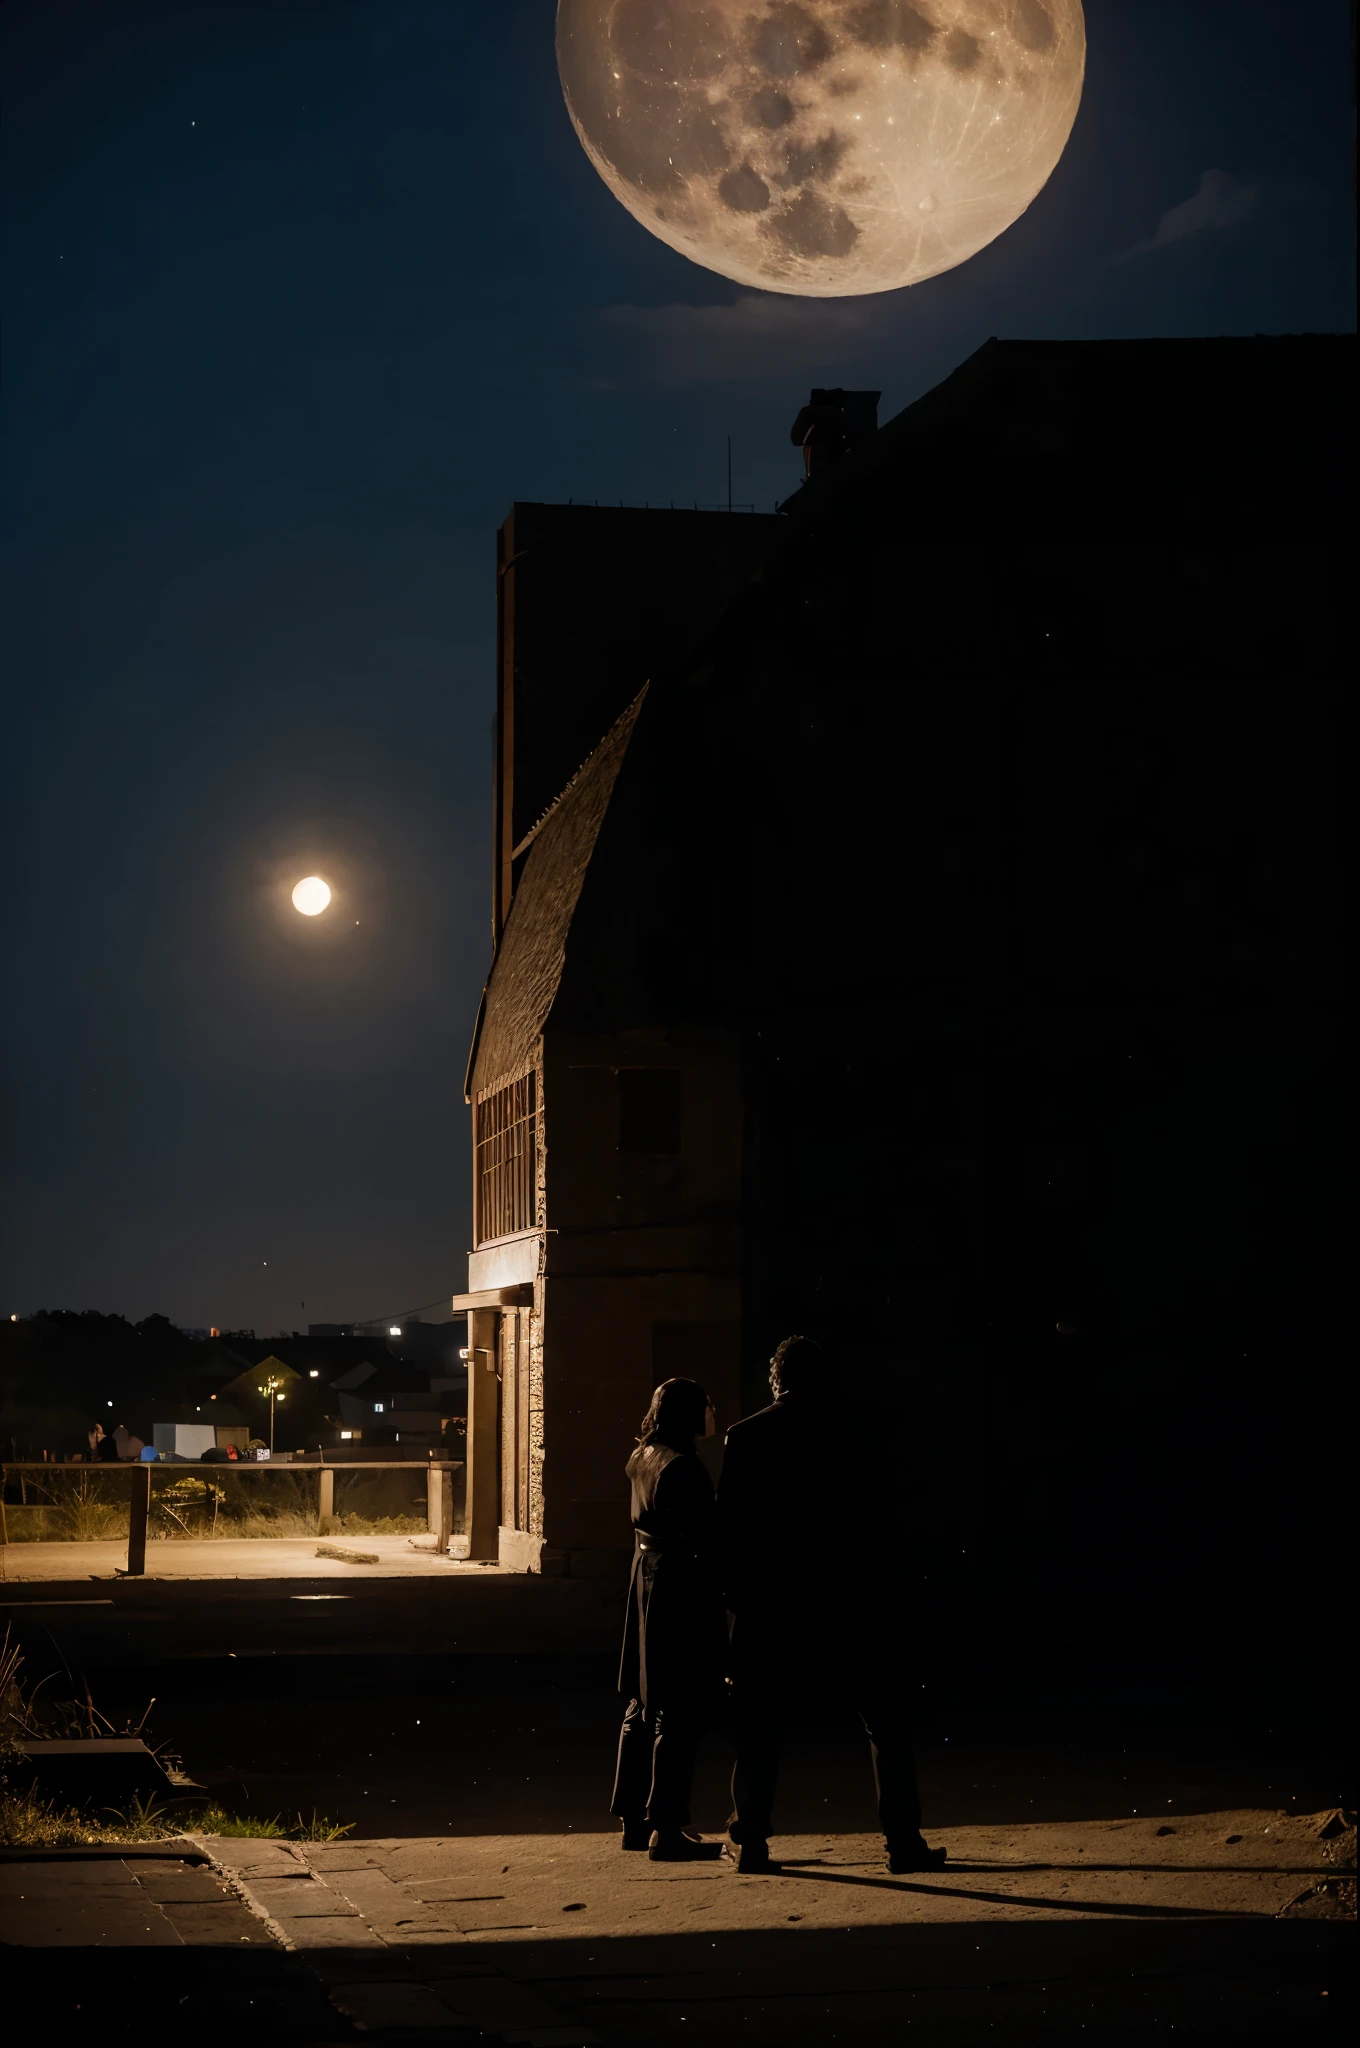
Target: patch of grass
73,1521
231,1528
321,1828
89,1503
141,1820
215,1820
28,1821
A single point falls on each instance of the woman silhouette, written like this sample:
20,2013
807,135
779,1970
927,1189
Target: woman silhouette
675,1635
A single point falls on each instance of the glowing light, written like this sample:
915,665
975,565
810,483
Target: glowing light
823,147
311,896
313,1374
394,1329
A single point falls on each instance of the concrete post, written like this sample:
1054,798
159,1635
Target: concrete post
438,1507
326,1504
483,1437
140,1476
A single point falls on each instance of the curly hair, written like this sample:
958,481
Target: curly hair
799,1363
677,1415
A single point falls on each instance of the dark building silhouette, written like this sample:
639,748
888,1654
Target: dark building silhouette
588,599
920,926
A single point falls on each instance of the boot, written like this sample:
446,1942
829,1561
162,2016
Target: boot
679,1845
752,1859
914,1855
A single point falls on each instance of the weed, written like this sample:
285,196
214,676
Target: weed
320,1828
85,1504
142,1820
30,1822
27,1820
80,1505
215,1820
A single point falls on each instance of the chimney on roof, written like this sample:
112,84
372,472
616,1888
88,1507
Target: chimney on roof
831,423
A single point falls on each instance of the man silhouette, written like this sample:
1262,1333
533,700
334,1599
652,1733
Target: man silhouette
806,1625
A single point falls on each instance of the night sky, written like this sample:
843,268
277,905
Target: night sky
298,300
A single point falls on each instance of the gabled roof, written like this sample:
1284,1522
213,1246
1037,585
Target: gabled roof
256,1377
357,1376
383,1375
528,965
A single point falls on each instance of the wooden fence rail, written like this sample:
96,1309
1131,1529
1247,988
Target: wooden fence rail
438,1489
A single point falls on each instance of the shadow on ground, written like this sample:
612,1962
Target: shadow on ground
958,1985
197,1994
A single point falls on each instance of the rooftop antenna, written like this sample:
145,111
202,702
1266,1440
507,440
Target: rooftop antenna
729,472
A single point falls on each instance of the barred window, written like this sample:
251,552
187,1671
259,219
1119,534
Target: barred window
507,1147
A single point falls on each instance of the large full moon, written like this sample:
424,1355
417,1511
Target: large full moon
311,896
824,147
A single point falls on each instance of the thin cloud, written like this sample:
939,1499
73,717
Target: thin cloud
1219,202
757,335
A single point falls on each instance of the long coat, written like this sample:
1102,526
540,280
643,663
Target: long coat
809,1619
675,1632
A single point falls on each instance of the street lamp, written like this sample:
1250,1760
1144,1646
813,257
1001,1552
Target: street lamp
273,1387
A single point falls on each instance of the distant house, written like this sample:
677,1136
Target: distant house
339,1389
435,1347
391,1402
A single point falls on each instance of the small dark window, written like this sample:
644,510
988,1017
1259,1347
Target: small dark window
649,1110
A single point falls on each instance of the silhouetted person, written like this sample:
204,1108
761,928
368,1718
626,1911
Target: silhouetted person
807,1623
103,1449
675,1635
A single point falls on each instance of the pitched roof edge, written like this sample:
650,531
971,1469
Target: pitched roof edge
510,957
629,711
476,1042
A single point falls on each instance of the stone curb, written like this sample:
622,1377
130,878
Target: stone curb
211,1846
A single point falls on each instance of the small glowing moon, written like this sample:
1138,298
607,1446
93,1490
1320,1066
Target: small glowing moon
311,896
823,147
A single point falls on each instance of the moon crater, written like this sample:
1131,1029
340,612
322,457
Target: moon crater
823,147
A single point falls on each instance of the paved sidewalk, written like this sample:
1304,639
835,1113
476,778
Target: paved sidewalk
367,1937
76,1927
1213,1920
